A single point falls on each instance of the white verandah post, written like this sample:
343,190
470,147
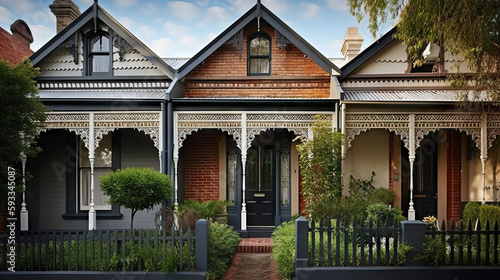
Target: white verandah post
484,153
24,212
243,168
92,213
411,210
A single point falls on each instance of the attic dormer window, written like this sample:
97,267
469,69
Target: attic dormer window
99,61
259,54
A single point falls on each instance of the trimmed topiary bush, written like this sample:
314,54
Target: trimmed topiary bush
382,212
489,213
471,212
222,245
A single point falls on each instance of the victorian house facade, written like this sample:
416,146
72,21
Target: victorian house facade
225,123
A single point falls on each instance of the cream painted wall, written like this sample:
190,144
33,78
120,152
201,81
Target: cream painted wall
369,152
397,171
391,60
492,171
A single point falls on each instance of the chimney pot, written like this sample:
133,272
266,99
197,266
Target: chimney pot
352,43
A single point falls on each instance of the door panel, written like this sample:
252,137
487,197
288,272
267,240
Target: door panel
260,178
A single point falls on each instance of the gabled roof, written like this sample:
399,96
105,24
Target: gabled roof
275,22
368,53
106,18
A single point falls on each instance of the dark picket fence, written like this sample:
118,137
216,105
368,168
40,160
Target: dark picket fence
468,244
358,243
108,250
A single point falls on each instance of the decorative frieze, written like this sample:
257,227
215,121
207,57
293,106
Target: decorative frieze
237,42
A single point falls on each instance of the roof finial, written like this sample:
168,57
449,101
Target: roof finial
258,15
95,15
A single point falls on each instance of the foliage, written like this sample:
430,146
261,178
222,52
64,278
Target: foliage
489,213
206,209
222,245
471,211
433,252
22,114
92,253
136,188
320,168
382,212
355,205
283,251
384,195
468,29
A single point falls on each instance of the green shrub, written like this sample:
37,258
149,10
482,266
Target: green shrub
382,212
222,245
433,252
284,249
471,212
489,213
384,195
206,209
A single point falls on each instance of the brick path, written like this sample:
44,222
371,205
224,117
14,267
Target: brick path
253,261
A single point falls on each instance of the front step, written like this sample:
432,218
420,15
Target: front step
255,245
257,232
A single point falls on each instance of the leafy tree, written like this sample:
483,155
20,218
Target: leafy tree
466,28
21,115
320,168
136,188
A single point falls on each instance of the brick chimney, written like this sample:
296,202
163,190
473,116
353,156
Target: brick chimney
65,11
22,32
352,43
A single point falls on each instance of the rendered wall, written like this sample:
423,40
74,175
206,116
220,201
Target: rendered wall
369,152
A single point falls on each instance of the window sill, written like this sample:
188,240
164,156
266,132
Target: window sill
100,216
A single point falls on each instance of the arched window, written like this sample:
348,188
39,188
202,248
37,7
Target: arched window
98,54
259,54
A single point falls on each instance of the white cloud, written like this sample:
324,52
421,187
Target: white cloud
4,14
125,3
339,5
278,7
241,6
43,17
149,8
185,11
146,30
21,7
175,29
85,4
214,14
163,47
309,10
127,22
41,35
334,47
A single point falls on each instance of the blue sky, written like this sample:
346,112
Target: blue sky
182,28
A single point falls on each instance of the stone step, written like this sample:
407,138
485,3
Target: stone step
255,245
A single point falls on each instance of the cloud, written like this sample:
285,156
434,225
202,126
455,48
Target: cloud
184,11
175,29
41,35
216,15
149,8
86,3
277,6
309,10
163,47
146,30
241,6
334,48
21,7
339,5
127,22
4,14
124,3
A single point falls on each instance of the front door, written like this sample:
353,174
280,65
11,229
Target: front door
260,181
425,178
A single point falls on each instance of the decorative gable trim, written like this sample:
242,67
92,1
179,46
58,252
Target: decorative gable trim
122,45
237,41
281,41
72,45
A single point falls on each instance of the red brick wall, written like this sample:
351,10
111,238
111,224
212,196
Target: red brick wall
201,150
224,73
12,49
453,176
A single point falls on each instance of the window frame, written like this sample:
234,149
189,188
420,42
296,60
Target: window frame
89,54
250,57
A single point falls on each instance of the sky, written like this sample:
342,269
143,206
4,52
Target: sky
182,28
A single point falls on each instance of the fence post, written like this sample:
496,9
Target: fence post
413,234
201,233
301,242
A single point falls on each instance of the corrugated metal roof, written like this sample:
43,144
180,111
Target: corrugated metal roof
156,94
401,96
175,62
